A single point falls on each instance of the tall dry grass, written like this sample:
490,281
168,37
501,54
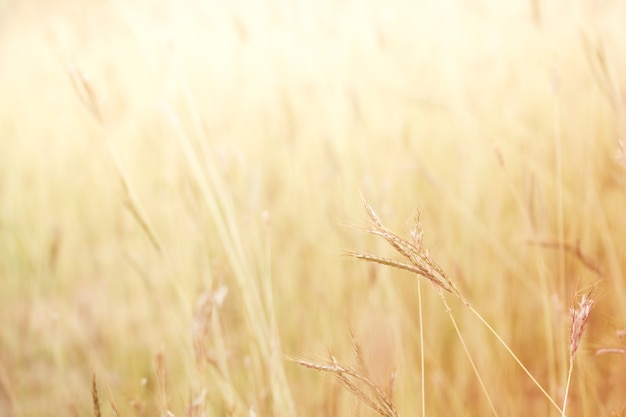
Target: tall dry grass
176,180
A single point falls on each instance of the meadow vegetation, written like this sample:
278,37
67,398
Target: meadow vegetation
180,183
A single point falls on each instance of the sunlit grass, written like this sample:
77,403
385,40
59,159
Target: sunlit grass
178,184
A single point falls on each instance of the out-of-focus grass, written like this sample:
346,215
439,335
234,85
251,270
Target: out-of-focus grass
501,128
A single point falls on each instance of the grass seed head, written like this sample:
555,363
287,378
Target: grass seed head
579,316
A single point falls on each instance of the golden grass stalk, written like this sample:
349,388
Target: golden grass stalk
575,250
422,359
210,348
87,95
85,91
94,396
421,263
469,355
251,273
159,367
578,316
113,405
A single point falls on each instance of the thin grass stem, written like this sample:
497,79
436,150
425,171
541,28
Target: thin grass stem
514,356
468,354
422,367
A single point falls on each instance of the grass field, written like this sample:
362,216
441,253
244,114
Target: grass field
179,182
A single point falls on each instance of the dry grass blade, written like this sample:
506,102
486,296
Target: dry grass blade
605,351
94,396
113,405
86,93
600,69
358,354
84,90
575,250
138,213
159,365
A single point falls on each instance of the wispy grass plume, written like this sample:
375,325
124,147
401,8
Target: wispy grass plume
357,381
419,261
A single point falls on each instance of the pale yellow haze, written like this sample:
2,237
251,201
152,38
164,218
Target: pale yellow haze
179,181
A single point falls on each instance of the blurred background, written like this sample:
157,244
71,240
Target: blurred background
178,181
